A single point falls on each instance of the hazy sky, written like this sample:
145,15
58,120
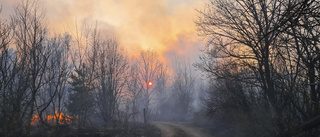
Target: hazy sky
166,26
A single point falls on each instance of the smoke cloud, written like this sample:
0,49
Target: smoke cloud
166,26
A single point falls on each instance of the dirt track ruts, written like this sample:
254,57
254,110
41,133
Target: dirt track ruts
169,129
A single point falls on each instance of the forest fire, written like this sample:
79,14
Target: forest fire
51,119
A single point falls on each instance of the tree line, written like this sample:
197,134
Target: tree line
263,61
88,76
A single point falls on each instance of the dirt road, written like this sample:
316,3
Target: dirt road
169,129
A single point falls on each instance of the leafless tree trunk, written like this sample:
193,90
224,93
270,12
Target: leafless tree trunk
57,74
277,43
243,30
111,77
11,92
183,87
134,86
31,51
151,70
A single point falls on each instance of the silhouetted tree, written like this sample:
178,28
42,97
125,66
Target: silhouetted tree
183,88
32,56
276,44
81,99
134,87
57,74
150,70
111,77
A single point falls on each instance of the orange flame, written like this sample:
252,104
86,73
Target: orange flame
62,119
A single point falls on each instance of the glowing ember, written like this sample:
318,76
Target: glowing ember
62,119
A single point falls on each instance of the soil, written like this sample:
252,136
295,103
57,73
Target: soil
169,129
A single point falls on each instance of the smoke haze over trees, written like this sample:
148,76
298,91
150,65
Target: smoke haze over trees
81,79
260,74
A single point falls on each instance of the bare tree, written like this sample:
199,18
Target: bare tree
11,99
151,70
302,40
276,43
30,33
57,74
63,75
111,76
134,87
183,87
81,94
243,30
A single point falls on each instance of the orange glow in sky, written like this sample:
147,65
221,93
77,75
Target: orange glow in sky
150,83
165,26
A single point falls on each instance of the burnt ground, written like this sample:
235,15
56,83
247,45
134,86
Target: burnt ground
133,130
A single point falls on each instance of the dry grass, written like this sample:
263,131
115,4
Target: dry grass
135,130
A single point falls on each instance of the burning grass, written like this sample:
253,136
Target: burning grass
51,119
67,128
